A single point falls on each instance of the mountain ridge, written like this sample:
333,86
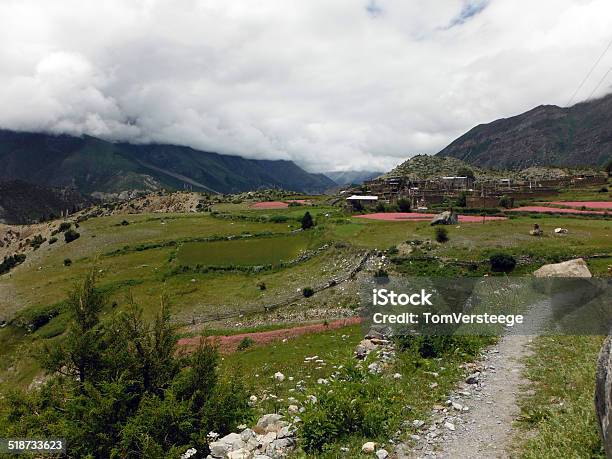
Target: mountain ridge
91,165
546,135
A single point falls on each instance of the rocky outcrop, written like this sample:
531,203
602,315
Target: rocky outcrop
445,218
603,394
571,268
271,438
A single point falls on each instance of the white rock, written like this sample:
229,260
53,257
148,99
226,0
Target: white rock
368,447
239,454
571,268
293,409
449,425
382,454
253,398
279,376
417,423
268,420
397,376
457,406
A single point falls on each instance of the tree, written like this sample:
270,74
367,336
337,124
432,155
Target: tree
441,234
462,199
608,168
307,221
403,205
466,172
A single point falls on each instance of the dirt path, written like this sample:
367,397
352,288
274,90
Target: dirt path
230,343
477,419
481,414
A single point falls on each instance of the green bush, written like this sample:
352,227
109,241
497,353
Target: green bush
67,261
380,207
37,241
462,199
64,226
71,235
11,261
502,263
603,189
125,392
403,205
52,240
279,219
261,285
355,403
245,343
307,221
441,234
506,202
307,292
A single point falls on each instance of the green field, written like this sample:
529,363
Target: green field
244,252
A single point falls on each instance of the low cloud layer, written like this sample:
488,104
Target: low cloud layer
345,84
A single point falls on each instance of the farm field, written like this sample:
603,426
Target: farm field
245,252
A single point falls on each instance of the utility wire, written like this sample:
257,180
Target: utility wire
589,74
600,82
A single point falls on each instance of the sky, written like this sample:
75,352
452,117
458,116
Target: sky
330,84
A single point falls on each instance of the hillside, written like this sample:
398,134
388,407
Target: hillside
23,203
432,167
94,165
547,135
351,177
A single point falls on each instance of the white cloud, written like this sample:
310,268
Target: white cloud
345,84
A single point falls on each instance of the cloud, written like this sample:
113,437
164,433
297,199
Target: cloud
331,85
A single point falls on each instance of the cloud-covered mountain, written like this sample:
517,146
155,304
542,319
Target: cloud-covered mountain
94,165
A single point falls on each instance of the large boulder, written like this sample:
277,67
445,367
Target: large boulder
603,394
445,218
571,268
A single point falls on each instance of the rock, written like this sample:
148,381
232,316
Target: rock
293,409
603,394
270,423
397,376
234,441
536,231
571,268
445,218
449,425
279,376
368,447
374,368
561,231
239,454
364,348
247,434
417,423
382,454
457,406
379,332
219,449
253,398
473,378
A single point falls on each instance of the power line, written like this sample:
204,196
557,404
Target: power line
589,74
600,82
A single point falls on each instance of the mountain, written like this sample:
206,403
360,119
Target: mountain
352,177
23,203
93,165
547,135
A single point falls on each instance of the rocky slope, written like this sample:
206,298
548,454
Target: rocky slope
24,203
547,135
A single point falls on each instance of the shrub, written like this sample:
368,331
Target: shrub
603,189
462,199
37,241
307,292
71,235
355,403
506,202
441,234
279,219
10,262
380,207
307,221
261,285
502,263
294,204
52,240
124,223
64,226
245,343
126,392
67,261
403,205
